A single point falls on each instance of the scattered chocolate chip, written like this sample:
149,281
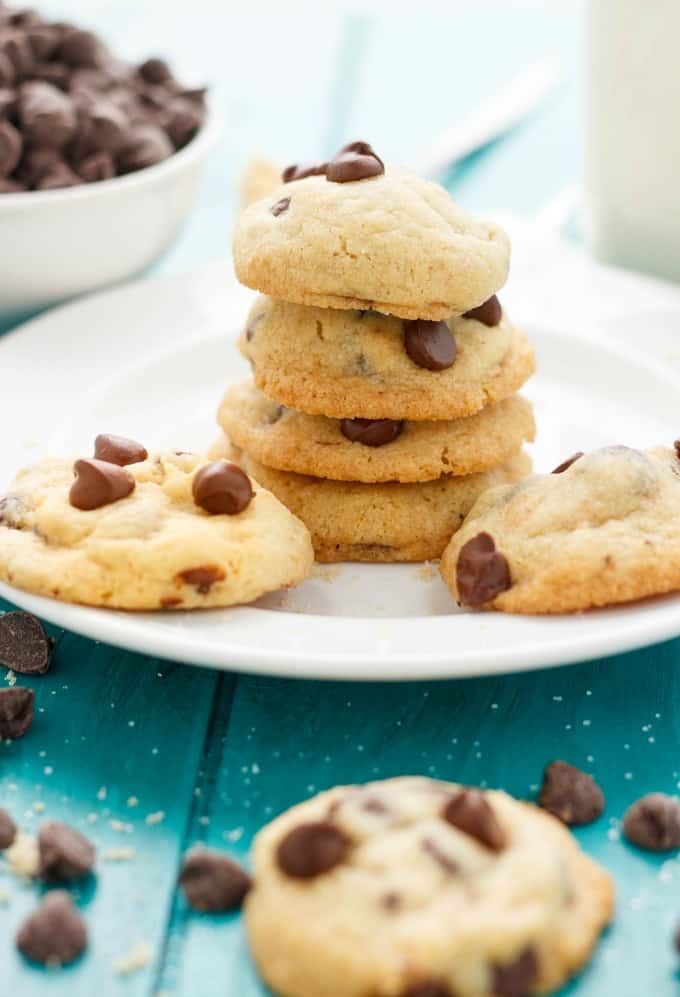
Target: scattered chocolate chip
155,71
515,979
221,487
482,572
298,171
282,205
46,114
24,645
16,712
99,483
119,450
568,462
490,313
11,145
570,795
430,344
653,823
8,830
55,933
441,858
356,161
212,881
371,432
65,854
470,812
202,578
427,988
311,849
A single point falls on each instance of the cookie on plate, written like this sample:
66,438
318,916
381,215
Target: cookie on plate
130,531
385,522
417,888
372,451
353,364
373,239
601,529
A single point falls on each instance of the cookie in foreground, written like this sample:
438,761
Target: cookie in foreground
601,529
417,888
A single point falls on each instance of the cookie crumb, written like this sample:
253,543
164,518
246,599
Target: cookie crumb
23,856
138,957
426,572
122,854
121,826
155,818
10,677
326,574
102,792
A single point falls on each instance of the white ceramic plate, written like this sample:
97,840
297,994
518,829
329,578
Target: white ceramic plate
151,361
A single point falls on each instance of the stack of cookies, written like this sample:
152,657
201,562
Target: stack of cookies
383,397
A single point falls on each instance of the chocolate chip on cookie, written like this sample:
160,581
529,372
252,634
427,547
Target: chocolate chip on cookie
280,206
515,979
212,881
653,823
8,830
355,161
16,712
65,854
202,578
470,812
427,988
371,432
449,865
490,313
221,487
99,483
55,933
311,849
298,171
482,572
430,344
119,450
570,795
24,645
566,464
676,444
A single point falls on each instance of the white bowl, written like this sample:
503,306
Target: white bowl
55,244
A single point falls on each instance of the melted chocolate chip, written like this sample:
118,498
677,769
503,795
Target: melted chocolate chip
212,881
515,979
65,854
355,161
24,645
390,901
570,795
490,313
653,823
430,344
16,712
482,572
568,462
202,578
54,933
371,432
280,206
311,849
374,805
99,483
221,487
469,811
427,988
8,830
119,450
298,171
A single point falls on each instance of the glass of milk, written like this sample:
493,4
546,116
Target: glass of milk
632,205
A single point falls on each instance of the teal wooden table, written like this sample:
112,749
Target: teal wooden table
149,757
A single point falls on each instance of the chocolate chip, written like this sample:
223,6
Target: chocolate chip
145,146
356,161
55,73
221,487
676,939
441,858
57,176
430,344
515,979
10,186
11,145
24,645
47,116
81,48
43,40
311,849
155,71
391,901
119,450
35,163
16,712
568,462
427,988
676,444
55,933
183,120
298,171
8,830
490,313
202,578
280,206
105,125
482,572
99,483
17,48
571,795
371,432
7,71
212,881
469,811
65,854
653,823
99,166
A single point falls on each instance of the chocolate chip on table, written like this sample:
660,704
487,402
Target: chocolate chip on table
24,645
470,812
11,145
490,313
515,979
298,171
99,483
8,830
355,161
54,934
222,487
653,823
16,712
427,988
212,881
119,450
280,207
430,344
566,464
371,432
47,115
482,572
570,795
65,854
311,849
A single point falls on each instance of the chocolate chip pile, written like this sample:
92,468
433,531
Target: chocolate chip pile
72,113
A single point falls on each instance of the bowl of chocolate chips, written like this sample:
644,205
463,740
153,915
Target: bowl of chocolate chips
100,160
